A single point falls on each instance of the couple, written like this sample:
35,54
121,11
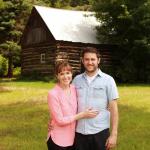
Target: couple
91,100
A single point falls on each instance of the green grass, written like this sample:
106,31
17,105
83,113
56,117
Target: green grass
134,126
24,116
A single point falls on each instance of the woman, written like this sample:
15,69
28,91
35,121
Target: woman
62,103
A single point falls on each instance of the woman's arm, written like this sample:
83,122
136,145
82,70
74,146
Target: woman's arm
56,112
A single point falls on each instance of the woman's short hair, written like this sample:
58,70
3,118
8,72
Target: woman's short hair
90,50
62,66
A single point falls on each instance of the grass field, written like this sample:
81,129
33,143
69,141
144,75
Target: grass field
24,115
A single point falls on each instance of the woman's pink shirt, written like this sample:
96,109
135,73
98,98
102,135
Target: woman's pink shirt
62,111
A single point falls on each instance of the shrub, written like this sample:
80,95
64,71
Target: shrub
17,71
3,66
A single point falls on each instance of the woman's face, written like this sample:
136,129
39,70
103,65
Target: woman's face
64,77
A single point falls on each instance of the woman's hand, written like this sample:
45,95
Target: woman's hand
90,113
50,127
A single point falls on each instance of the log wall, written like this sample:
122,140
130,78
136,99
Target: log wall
61,51
31,60
72,53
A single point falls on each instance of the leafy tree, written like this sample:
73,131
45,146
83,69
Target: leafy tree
1,4
127,24
3,66
11,27
14,15
74,3
10,49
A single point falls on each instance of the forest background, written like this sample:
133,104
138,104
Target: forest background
123,22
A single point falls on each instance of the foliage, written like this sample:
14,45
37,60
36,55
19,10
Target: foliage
3,66
10,49
60,3
14,15
126,23
11,22
35,75
17,71
11,27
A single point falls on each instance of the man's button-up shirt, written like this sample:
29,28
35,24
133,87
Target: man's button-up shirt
95,95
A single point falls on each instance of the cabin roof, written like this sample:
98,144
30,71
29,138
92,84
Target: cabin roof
68,25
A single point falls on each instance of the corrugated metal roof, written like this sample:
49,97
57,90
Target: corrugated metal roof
68,25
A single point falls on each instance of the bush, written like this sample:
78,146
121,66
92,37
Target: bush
17,71
3,66
35,75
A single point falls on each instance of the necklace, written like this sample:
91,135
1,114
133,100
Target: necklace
68,93
68,98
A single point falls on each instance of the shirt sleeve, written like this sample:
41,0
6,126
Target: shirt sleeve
112,91
56,111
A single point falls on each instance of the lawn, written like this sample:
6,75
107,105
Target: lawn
24,115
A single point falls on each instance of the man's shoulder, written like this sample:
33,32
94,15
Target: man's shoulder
77,79
109,80
106,76
79,76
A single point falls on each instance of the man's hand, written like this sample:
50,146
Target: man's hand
111,142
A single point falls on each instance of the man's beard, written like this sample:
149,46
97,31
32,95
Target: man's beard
93,70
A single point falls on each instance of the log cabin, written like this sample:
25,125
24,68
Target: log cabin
54,34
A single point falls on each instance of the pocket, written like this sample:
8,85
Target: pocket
98,92
80,91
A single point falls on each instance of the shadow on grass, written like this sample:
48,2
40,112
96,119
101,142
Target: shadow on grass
134,85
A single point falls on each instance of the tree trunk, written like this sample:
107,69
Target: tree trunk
10,69
33,2
52,3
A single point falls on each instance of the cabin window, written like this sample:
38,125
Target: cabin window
43,60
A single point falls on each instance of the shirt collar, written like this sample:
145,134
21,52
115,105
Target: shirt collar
99,73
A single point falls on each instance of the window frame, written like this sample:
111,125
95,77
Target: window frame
43,58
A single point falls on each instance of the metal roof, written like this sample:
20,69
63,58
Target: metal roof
68,25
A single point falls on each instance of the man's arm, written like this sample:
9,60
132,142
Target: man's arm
112,140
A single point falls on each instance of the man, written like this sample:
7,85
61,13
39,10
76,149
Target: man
96,90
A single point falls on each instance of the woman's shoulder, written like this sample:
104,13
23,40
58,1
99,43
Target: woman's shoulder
72,86
53,91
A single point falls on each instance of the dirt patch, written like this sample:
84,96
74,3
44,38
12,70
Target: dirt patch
3,89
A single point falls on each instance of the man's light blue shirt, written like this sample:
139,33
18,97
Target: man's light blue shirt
95,95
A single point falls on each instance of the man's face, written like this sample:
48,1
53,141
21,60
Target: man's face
90,62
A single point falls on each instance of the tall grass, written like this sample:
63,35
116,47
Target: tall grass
24,116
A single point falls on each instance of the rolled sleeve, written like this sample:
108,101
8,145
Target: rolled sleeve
112,91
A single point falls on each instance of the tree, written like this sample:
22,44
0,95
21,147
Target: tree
127,24
11,27
3,66
74,3
9,50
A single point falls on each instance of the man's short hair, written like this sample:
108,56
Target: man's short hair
90,50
